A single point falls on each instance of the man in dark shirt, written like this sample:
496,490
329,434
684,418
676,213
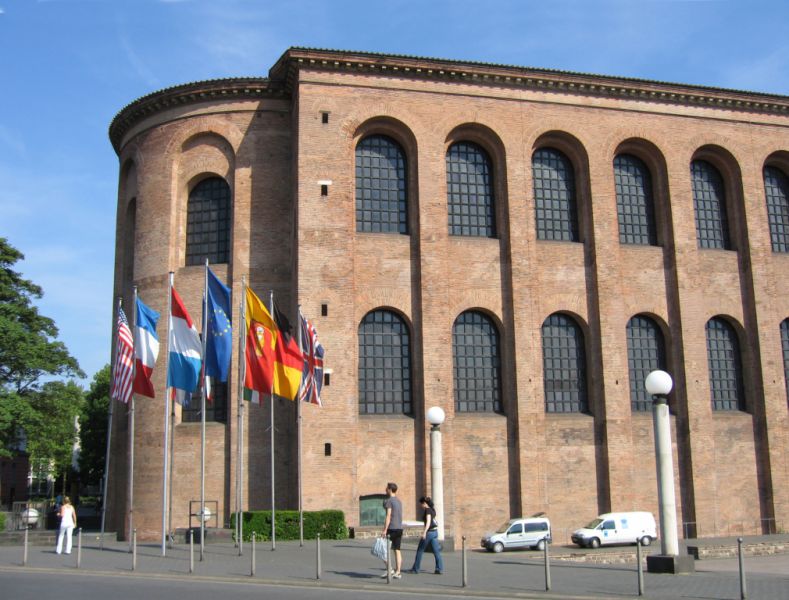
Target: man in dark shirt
393,526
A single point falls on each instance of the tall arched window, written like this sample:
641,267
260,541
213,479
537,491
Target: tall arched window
645,353
776,187
554,196
725,366
564,365
470,191
384,364
476,363
208,222
709,202
381,186
785,347
634,205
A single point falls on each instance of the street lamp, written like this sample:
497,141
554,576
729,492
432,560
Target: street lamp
29,518
435,417
658,384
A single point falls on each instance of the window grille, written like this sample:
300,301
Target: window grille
725,366
785,347
645,353
469,191
384,365
381,186
554,196
215,408
634,203
208,222
476,363
776,187
564,365
709,201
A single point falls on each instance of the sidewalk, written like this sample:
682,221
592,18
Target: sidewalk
348,564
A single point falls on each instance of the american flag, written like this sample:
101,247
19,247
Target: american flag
312,373
123,373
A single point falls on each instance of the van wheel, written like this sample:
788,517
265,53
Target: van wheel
646,540
540,545
498,547
594,543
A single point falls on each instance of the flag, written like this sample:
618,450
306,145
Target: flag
146,348
185,349
272,364
312,372
219,343
123,373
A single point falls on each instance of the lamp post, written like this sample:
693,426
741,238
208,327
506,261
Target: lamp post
435,417
658,384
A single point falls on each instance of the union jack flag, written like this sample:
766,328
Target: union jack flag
312,372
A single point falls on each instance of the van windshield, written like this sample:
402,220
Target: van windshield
594,524
504,527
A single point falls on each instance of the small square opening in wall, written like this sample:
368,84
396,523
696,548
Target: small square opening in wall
327,449
327,379
324,189
324,310
324,117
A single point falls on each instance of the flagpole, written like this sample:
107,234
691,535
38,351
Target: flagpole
202,416
240,435
167,414
106,476
170,399
271,402
298,435
131,427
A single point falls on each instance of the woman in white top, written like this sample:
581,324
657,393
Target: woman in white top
68,521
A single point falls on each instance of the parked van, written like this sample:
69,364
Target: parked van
617,528
525,532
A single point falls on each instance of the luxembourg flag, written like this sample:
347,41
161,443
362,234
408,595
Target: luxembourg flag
146,348
185,349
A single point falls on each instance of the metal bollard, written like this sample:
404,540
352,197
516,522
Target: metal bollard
79,547
743,591
640,568
191,550
547,566
24,552
318,557
388,560
252,568
463,565
134,550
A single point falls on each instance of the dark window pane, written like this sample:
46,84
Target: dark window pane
645,353
469,191
634,205
384,365
776,187
725,365
208,222
709,201
381,187
476,364
785,346
215,405
564,365
554,196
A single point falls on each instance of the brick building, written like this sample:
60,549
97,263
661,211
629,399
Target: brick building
517,246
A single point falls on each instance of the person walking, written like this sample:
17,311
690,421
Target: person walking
393,525
68,521
429,537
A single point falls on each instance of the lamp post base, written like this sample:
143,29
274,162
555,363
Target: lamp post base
669,563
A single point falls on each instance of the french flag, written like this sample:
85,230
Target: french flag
146,349
185,355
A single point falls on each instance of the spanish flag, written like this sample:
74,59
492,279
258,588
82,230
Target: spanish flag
273,360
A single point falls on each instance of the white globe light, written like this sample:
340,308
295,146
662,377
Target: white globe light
658,383
206,514
435,415
29,516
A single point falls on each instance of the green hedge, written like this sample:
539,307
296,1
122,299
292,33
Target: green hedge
329,523
2,522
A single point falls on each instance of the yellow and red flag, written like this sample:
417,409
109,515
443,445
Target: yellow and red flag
273,360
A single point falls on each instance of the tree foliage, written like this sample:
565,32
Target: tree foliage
93,428
52,430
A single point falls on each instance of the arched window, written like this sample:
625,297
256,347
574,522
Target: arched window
709,202
564,365
554,196
476,363
645,353
381,186
208,222
725,366
785,347
776,187
384,364
634,205
470,191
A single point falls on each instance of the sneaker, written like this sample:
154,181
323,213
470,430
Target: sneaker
412,571
385,574
437,572
397,576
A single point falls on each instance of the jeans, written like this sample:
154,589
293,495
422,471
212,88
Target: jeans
431,539
64,532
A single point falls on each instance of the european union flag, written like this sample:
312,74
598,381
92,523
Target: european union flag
219,345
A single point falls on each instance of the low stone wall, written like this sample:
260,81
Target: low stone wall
730,551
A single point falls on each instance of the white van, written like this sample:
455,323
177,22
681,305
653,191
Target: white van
530,532
617,528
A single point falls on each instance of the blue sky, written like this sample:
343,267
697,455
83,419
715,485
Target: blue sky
68,66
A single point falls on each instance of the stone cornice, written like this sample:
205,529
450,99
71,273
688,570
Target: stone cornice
565,82
237,88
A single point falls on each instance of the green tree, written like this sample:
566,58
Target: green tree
93,428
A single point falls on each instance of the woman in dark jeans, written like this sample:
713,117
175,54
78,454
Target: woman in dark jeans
429,537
